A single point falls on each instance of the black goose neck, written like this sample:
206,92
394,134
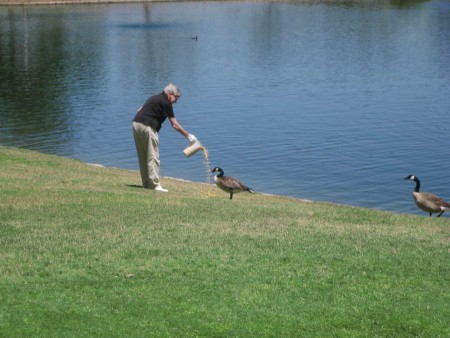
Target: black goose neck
417,184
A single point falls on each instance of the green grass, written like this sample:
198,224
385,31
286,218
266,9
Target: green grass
83,253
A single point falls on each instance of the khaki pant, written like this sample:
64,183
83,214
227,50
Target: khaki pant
147,141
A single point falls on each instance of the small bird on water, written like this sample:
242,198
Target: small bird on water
229,184
426,201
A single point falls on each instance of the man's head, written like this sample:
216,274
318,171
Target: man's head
172,92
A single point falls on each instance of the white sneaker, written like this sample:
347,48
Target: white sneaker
161,189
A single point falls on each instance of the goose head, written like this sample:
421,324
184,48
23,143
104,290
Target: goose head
415,179
217,170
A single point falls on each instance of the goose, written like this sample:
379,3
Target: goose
426,201
229,184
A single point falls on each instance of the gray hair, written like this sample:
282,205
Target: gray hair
172,89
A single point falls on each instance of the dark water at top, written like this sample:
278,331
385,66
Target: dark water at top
319,101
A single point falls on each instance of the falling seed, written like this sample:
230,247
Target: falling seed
207,166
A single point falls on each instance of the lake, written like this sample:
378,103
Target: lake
321,100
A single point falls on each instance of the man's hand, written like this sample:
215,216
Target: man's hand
192,138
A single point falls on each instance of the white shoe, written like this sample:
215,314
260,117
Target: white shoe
161,189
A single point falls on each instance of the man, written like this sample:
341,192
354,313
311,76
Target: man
146,125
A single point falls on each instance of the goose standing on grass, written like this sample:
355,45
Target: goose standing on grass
229,184
426,201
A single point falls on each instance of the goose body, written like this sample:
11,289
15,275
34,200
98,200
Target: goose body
229,184
426,201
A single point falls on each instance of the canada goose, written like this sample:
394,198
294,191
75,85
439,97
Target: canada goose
426,201
228,183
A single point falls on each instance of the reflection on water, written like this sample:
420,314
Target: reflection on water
326,100
362,3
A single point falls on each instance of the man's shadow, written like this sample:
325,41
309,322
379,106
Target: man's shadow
135,186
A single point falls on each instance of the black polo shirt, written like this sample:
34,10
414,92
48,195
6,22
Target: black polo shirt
155,111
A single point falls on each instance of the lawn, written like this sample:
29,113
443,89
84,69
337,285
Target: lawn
85,252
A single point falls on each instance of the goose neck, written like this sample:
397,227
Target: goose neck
417,184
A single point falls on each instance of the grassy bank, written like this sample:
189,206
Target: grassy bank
83,252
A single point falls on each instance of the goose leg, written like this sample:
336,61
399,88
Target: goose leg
440,213
231,195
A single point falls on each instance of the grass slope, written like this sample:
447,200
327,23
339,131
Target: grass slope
85,253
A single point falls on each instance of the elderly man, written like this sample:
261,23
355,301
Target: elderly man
146,125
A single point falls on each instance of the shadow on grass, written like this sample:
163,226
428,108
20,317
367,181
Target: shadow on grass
135,186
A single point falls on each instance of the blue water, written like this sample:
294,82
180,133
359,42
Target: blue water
325,102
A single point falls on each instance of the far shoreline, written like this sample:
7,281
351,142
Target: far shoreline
73,2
